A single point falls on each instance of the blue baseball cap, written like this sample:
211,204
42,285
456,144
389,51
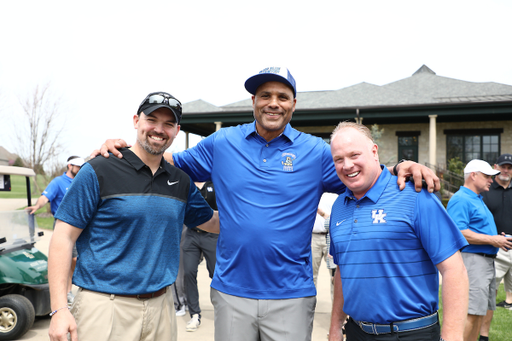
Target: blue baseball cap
271,74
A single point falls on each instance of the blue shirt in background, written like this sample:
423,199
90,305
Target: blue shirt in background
469,211
56,190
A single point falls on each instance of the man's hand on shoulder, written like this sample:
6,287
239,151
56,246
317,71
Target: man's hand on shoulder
110,145
418,172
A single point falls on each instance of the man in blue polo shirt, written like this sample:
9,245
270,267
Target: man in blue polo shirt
269,179
56,189
476,223
126,216
389,246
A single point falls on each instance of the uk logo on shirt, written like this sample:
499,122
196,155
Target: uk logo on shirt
378,216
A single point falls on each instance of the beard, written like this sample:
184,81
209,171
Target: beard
146,145
504,178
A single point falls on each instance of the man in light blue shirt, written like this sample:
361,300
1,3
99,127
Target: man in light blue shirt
476,222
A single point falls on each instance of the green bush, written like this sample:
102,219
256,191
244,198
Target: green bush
455,165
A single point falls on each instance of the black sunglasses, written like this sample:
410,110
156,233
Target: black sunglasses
162,98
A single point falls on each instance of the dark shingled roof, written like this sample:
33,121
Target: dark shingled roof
423,87
410,100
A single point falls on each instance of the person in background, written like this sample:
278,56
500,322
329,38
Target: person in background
389,246
475,221
318,243
178,287
197,244
54,193
499,201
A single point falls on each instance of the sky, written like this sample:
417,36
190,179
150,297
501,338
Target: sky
101,58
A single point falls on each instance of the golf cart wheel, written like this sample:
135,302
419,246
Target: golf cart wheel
16,316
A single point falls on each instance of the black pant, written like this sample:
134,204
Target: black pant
354,333
196,243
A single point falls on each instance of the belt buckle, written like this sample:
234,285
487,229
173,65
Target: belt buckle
143,298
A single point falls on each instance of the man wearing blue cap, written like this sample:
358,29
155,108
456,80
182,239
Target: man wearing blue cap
126,216
269,179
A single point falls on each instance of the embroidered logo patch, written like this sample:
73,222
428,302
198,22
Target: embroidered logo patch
378,216
287,160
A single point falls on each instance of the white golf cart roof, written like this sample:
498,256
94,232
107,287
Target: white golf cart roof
11,170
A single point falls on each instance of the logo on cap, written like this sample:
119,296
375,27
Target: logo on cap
273,69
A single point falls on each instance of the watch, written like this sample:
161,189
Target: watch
394,168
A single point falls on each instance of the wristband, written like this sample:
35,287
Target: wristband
395,172
56,310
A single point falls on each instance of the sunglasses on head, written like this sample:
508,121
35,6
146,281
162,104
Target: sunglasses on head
163,98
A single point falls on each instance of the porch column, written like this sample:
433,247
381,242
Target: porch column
187,139
432,141
218,125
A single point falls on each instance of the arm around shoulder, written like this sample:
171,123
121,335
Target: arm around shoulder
418,172
211,225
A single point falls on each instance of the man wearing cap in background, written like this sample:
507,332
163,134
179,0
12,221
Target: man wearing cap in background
54,193
499,201
268,179
473,218
57,188
126,216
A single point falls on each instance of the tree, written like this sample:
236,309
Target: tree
39,132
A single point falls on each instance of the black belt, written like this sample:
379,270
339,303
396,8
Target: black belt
199,231
320,232
485,255
397,327
142,296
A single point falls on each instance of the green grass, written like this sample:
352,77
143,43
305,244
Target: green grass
19,190
501,326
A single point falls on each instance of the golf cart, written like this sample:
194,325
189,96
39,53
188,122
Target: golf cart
24,291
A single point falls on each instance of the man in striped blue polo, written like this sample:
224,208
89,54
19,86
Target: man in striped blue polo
389,245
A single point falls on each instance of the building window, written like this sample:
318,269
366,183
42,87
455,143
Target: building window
408,145
470,144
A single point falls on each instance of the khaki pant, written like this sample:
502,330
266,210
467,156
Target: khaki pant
319,250
104,317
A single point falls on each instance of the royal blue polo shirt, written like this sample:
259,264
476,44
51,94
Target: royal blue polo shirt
267,196
387,245
469,211
56,190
